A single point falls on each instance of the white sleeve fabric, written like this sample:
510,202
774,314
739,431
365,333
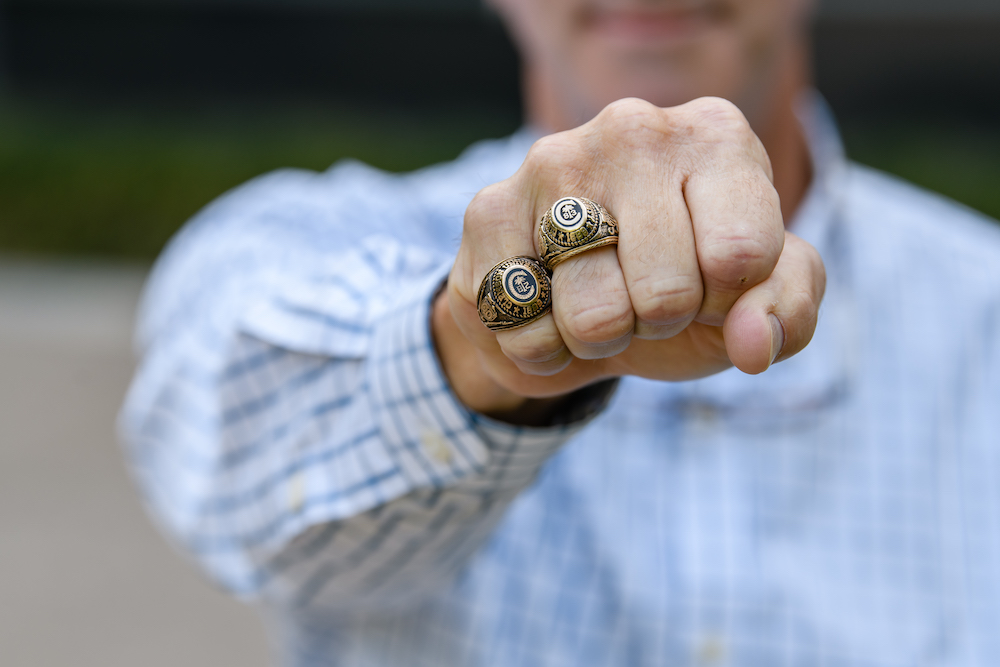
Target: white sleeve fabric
295,435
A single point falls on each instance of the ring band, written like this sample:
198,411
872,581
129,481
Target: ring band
515,292
574,225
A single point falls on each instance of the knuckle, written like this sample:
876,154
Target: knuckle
813,271
550,152
762,201
799,319
627,111
755,148
535,346
494,202
633,121
666,300
804,303
738,261
819,285
718,114
720,126
808,250
599,323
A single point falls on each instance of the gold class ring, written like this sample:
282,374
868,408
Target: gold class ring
515,292
574,225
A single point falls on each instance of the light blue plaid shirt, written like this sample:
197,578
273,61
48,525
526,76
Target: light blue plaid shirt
291,430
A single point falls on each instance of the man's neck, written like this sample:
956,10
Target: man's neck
783,136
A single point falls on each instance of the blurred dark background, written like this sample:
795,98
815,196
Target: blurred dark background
120,118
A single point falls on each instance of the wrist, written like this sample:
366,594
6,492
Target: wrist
469,380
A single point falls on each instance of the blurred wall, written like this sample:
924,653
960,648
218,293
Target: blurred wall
383,51
872,56
916,57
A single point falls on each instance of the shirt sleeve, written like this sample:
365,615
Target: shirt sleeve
294,434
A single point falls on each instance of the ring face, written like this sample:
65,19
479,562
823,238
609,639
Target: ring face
569,214
514,293
519,285
574,225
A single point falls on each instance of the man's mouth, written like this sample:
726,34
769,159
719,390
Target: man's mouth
650,26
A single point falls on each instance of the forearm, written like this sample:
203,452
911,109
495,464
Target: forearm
411,545
473,386
279,468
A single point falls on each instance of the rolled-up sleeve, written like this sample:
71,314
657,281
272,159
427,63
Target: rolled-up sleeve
292,431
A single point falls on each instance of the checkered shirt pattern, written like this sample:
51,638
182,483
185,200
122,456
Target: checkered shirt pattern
291,430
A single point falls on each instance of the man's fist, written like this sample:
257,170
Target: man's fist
704,275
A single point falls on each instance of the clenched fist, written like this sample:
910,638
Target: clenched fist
704,275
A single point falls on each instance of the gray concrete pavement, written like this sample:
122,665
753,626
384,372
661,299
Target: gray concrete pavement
84,577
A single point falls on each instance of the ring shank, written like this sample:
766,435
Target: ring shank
569,254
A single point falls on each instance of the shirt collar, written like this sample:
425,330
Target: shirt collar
811,220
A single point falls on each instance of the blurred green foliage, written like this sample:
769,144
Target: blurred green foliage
119,184
959,160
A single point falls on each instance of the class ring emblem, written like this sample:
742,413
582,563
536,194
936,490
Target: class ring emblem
573,226
515,292
519,285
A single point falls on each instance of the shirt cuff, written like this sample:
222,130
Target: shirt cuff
531,446
427,431
434,438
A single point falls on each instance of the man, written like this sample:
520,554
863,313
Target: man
326,425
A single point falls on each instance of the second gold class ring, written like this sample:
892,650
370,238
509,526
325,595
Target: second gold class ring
515,292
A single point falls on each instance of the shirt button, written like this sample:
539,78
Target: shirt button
436,446
711,651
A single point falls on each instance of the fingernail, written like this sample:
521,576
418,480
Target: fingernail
777,336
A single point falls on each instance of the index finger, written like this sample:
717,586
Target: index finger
499,225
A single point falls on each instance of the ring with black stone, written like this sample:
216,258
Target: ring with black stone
515,292
572,226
